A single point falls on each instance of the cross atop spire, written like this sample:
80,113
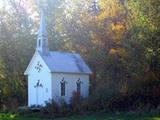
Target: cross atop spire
42,39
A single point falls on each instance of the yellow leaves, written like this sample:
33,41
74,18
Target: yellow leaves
116,33
6,91
2,76
95,39
118,52
118,27
113,51
2,68
109,8
111,16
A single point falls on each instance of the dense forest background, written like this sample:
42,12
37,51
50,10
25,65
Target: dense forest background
120,42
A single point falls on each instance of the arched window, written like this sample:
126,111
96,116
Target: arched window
39,42
44,42
63,87
78,86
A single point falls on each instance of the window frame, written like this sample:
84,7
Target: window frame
78,83
39,42
63,87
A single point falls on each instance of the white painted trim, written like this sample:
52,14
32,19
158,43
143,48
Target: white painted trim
34,56
73,73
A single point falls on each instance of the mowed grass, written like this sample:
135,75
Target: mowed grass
85,117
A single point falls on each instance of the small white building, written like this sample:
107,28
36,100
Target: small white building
55,75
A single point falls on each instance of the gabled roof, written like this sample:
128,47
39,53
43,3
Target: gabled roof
65,62
35,55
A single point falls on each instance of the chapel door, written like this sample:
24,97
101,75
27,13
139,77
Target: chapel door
39,93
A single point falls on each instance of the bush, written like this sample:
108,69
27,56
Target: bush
85,106
140,102
94,104
65,108
24,110
54,109
76,102
51,109
80,105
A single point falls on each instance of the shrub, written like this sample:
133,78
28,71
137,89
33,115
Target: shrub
80,105
76,102
24,110
54,109
95,104
140,102
51,109
85,105
65,108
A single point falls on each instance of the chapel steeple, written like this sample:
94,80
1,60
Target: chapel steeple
42,39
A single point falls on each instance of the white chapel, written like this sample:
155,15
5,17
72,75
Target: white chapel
53,74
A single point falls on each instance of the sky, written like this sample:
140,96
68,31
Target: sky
1,3
29,5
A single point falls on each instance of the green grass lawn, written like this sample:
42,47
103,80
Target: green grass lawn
85,117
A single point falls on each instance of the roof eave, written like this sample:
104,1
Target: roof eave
87,73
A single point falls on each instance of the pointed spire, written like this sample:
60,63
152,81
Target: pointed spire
42,39
94,9
42,28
